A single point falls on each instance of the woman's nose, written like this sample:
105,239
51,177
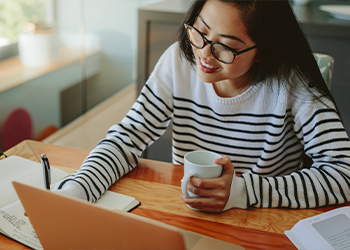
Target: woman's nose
206,51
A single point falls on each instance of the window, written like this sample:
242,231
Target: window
15,13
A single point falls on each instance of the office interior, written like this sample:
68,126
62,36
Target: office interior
102,53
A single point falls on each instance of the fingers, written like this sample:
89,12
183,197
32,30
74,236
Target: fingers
214,192
225,161
216,183
204,204
206,187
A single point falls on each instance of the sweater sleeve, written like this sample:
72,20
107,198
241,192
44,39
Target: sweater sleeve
327,182
118,153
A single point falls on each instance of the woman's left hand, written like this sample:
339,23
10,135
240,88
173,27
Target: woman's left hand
215,191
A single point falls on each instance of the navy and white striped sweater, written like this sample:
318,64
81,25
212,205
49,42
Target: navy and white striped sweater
264,131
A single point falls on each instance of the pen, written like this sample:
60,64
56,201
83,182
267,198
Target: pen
46,171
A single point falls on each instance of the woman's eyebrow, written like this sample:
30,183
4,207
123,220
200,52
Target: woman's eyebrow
222,35
202,19
232,37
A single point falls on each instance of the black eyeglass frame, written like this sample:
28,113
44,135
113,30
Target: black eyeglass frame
207,41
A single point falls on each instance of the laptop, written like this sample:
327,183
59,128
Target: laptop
64,223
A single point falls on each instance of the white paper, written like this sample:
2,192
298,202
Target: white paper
329,230
17,226
294,240
13,222
111,200
335,230
12,219
15,168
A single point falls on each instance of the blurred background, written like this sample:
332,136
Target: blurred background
69,69
77,54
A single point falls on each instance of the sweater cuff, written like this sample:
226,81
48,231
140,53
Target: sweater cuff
238,194
70,188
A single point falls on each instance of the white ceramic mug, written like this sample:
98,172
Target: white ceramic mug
200,164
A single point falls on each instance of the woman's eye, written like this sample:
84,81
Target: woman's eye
227,48
231,47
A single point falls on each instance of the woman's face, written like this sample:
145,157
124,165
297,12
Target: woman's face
221,22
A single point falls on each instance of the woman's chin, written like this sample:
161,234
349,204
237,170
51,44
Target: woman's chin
207,76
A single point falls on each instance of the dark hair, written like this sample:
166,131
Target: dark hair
284,52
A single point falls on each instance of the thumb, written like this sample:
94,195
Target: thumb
225,161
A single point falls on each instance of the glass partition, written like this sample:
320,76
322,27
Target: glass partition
62,58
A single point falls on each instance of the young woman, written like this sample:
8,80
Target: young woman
242,82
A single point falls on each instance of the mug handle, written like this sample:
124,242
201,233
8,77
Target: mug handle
184,182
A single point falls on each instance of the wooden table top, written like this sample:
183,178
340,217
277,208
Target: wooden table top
157,185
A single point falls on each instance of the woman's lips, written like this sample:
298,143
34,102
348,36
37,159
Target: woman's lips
205,67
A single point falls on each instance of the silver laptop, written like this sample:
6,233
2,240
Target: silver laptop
64,223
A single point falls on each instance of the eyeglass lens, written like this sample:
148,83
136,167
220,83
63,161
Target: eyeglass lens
219,51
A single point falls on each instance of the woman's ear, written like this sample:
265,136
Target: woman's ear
257,58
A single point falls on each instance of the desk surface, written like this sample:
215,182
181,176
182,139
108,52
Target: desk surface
157,185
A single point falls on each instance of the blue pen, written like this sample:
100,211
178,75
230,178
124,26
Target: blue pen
46,171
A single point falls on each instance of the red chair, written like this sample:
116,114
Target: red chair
17,127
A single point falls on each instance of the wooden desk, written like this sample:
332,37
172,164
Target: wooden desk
157,186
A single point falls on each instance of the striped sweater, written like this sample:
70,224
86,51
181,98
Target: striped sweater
264,131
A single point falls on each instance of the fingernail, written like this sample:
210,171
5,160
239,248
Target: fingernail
219,159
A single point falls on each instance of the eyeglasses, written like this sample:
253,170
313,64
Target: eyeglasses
220,51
